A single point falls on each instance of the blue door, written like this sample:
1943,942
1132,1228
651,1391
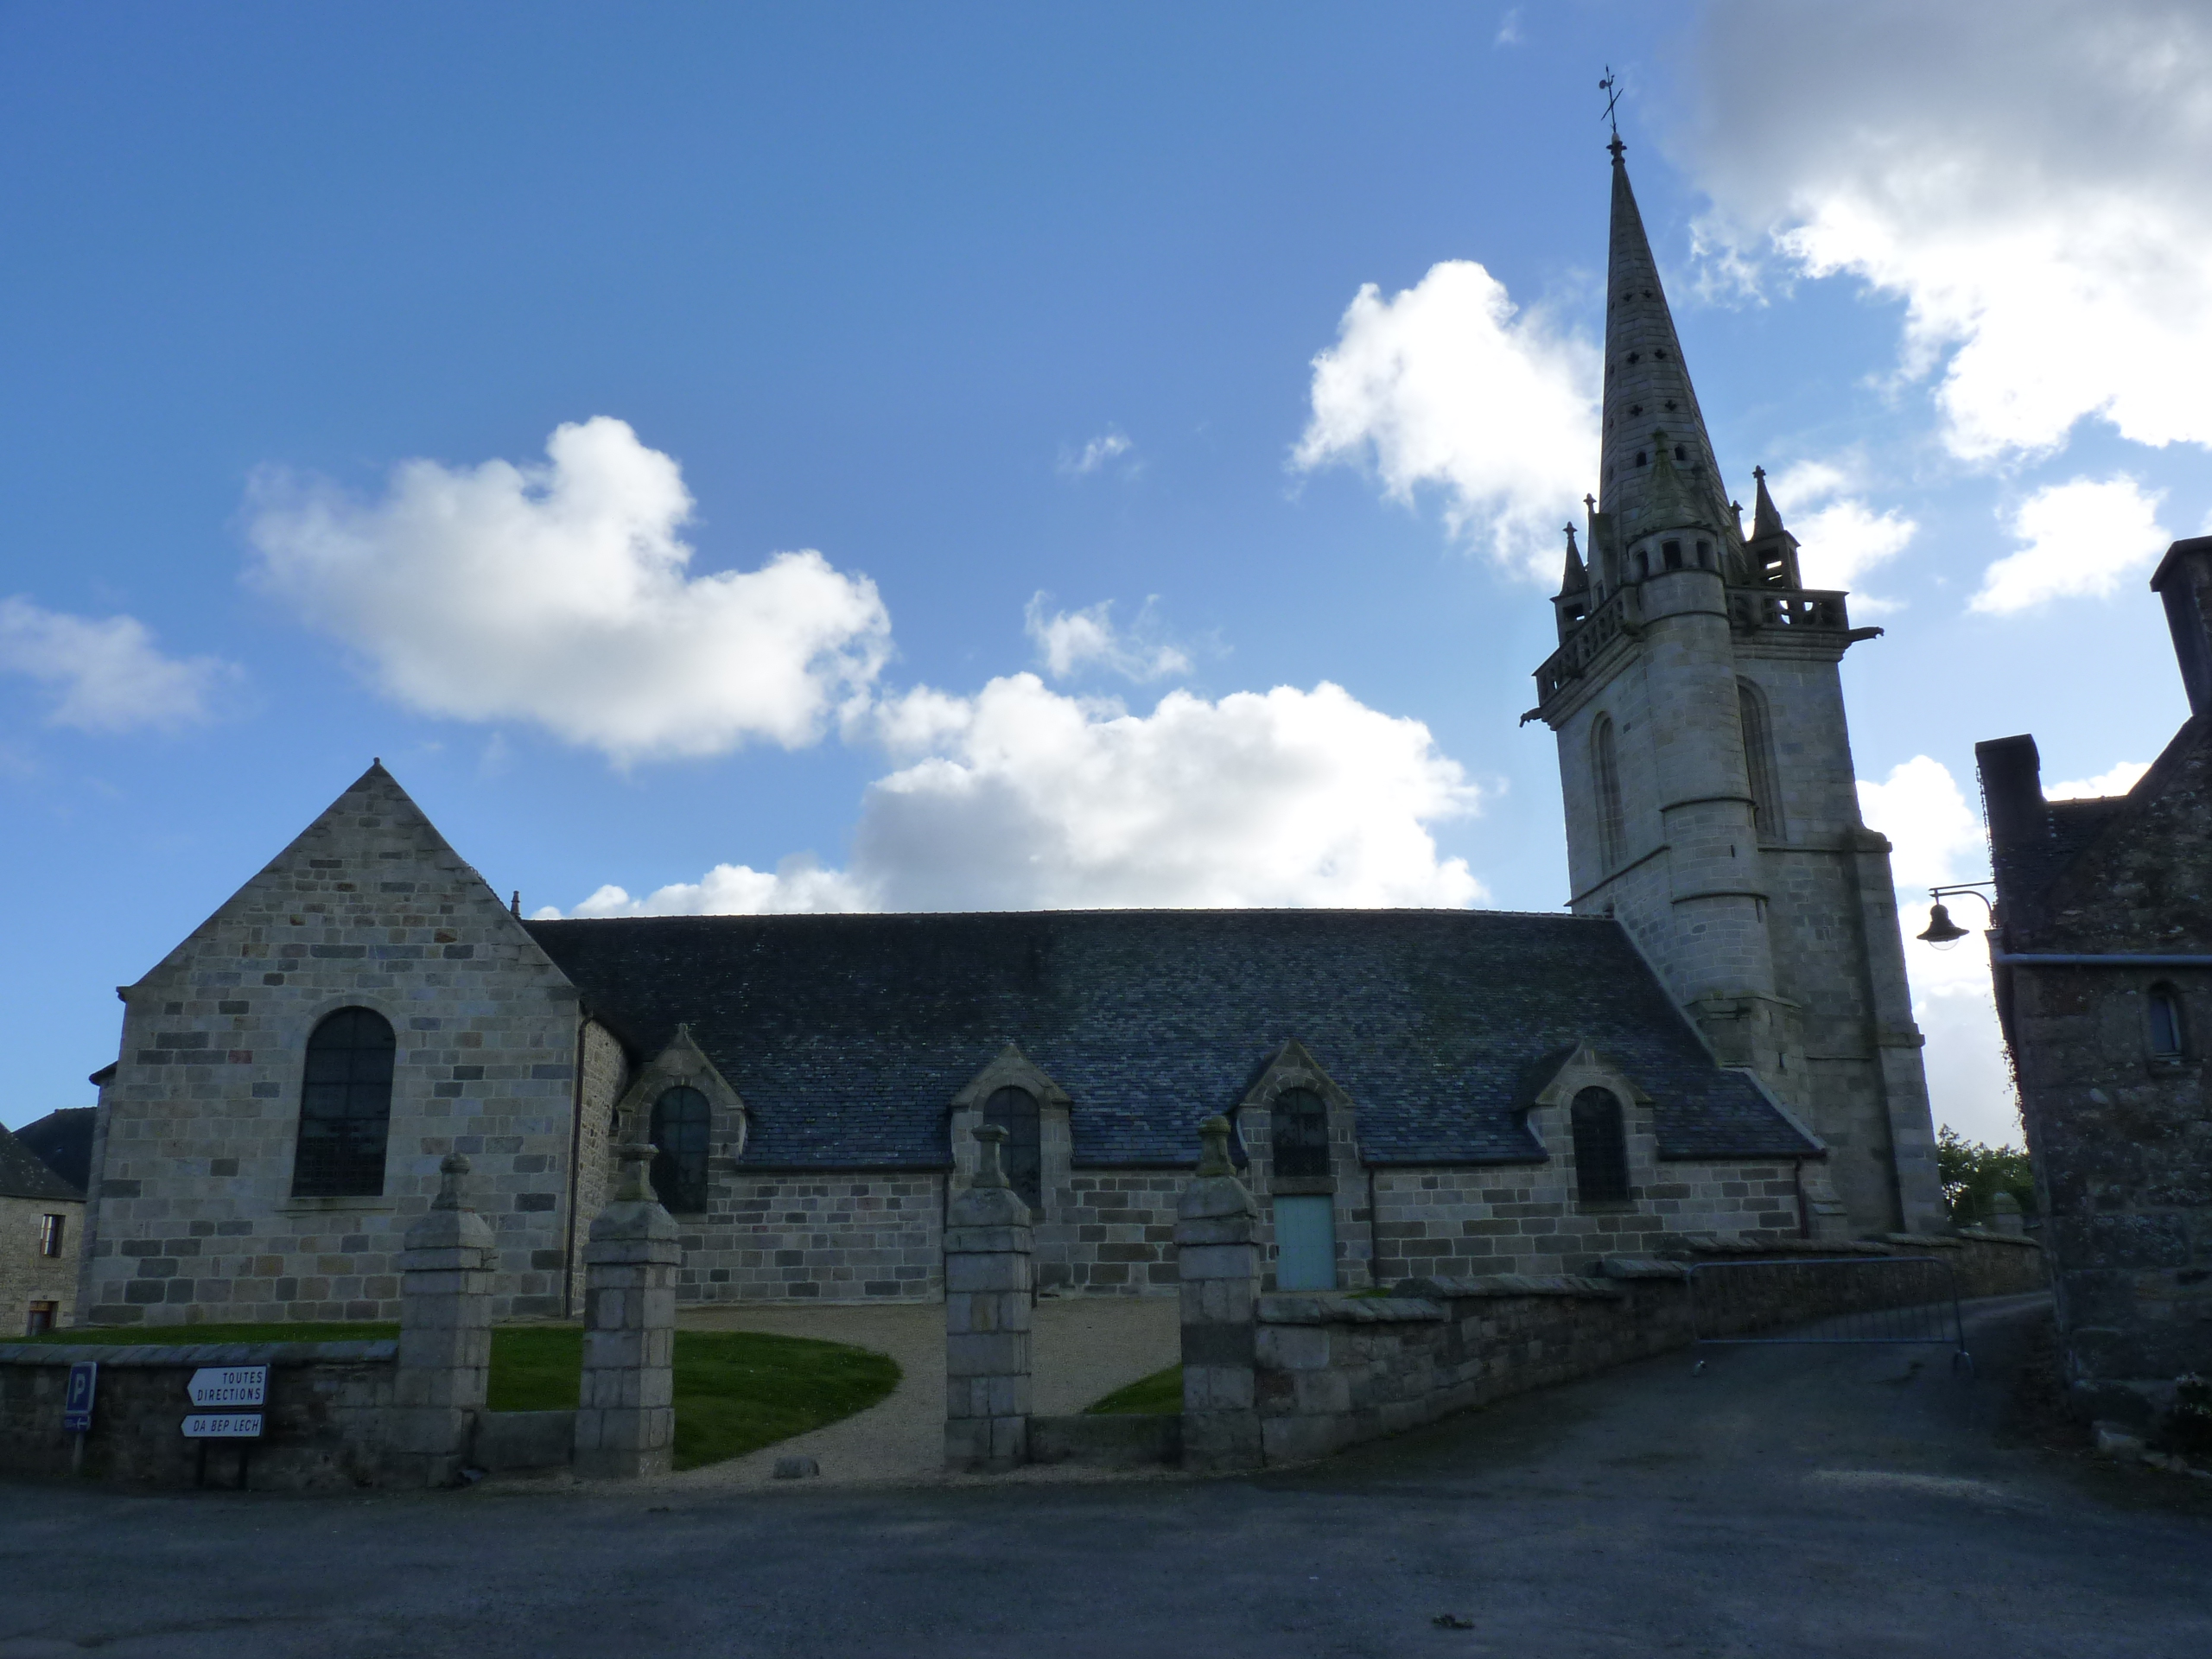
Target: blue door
1305,1244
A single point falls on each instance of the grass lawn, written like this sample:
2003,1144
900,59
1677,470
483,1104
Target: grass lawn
735,1390
1157,1395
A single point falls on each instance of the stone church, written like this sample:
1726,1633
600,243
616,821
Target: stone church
1716,1039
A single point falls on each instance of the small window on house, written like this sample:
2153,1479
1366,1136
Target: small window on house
1642,563
1705,555
1758,761
2165,1023
1605,779
50,1232
1673,551
1640,458
1681,453
1600,1147
41,1318
1298,1132
682,1124
345,1107
1022,1155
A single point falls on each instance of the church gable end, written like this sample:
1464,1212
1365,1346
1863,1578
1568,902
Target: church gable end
368,925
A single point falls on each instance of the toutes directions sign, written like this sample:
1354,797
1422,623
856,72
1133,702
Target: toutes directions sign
229,1385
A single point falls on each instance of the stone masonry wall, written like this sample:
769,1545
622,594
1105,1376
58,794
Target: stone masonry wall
822,1235
323,1426
2123,1158
1115,1233
193,1213
1330,1371
1526,1218
26,1276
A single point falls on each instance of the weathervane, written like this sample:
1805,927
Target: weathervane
1611,85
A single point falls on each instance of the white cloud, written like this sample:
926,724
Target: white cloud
106,674
1841,537
2123,776
2026,175
1449,384
1022,798
1935,835
799,885
1108,446
2083,538
1071,641
560,594
1508,29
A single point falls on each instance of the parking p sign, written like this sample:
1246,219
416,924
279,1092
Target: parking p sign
77,1404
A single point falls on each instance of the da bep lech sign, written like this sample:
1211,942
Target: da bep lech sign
226,1388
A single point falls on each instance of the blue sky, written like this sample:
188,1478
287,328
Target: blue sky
1004,315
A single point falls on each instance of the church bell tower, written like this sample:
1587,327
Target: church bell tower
1711,801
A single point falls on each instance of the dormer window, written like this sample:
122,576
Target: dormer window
1640,458
1681,453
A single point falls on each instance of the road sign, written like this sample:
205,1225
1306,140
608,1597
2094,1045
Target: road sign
223,1425
229,1385
77,1404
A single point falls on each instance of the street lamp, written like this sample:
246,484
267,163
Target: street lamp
1942,932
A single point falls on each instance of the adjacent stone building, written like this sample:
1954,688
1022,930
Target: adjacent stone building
2102,950
40,1216
1715,1041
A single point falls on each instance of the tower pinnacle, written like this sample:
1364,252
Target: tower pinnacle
1648,390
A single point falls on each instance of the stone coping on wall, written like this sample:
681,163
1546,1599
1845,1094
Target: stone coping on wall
1283,1307
1713,1244
1579,1285
203,1353
1959,1239
1641,1266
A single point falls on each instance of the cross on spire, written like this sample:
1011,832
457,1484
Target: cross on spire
1611,85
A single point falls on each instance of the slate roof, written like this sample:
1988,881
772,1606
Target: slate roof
847,1036
63,1141
23,1174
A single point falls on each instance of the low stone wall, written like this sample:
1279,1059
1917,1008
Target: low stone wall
1108,1440
323,1427
1329,1371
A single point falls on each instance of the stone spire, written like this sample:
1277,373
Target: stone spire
1647,389
1765,520
1574,579
1771,555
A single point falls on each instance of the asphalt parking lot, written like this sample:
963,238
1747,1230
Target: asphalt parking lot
1789,1501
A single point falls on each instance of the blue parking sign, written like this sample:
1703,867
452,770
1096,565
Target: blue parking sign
77,1406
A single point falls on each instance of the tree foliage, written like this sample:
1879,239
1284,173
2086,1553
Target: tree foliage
1974,1173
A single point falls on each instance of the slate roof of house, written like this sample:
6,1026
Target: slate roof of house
847,1036
63,1141
23,1174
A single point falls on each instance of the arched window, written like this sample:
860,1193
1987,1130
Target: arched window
345,1108
1600,1147
1022,1155
1298,1133
2166,1035
680,1123
1605,777
1759,761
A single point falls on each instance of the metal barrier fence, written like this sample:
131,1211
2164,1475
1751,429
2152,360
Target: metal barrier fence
1849,1299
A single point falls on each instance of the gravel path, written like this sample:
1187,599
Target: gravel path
1084,1348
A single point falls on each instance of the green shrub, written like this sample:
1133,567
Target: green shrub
1974,1173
